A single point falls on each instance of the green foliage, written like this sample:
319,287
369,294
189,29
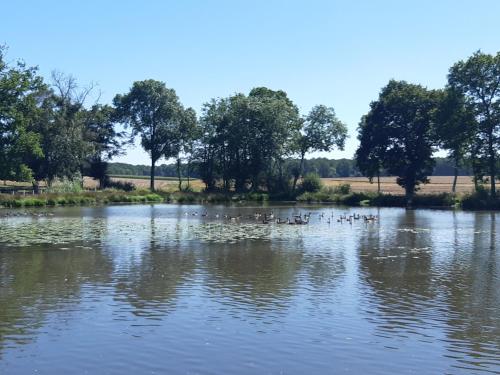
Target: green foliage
480,200
245,139
311,183
106,142
20,88
321,131
421,200
397,134
121,185
62,199
154,113
66,186
477,79
341,189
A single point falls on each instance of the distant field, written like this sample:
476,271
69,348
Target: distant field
142,177
142,182
438,184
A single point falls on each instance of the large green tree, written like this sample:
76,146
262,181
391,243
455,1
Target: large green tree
186,135
401,119
106,141
455,128
61,125
369,154
321,131
154,113
20,88
246,138
478,78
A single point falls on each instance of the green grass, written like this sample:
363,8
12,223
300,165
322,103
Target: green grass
380,200
476,201
87,198
480,200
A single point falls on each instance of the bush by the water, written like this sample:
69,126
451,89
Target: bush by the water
480,200
66,186
311,183
87,198
121,185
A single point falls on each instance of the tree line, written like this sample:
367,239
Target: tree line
409,122
247,142
323,167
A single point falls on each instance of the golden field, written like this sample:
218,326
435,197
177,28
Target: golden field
388,185
438,184
170,184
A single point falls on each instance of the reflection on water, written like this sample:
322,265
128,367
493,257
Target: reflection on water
162,288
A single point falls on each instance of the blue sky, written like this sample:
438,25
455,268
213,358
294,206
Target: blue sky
337,53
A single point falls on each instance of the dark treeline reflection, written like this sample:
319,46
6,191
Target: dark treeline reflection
36,281
472,282
260,275
421,281
151,284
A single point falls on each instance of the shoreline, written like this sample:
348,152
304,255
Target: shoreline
473,202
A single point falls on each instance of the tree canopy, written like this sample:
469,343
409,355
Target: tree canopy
397,133
478,79
154,113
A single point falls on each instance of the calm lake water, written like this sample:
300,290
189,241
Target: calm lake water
156,290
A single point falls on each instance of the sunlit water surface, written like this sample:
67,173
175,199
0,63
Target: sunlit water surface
156,289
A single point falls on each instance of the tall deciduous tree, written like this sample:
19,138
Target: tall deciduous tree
321,131
154,113
61,125
106,141
478,78
402,120
369,154
455,128
245,138
20,87
186,135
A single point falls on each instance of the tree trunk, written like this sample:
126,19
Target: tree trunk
152,178
179,176
409,193
36,187
378,181
455,177
492,168
188,171
301,165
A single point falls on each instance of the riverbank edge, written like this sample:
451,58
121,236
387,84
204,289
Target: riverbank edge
475,201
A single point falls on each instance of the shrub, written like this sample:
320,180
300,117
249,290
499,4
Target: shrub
480,200
66,186
61,200
153,198
342,189
434,200
354,199
311,183
185,198
121,185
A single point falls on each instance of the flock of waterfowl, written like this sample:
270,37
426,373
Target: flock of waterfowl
297,219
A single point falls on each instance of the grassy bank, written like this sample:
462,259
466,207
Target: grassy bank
83,198
380,200
476,201
118,196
